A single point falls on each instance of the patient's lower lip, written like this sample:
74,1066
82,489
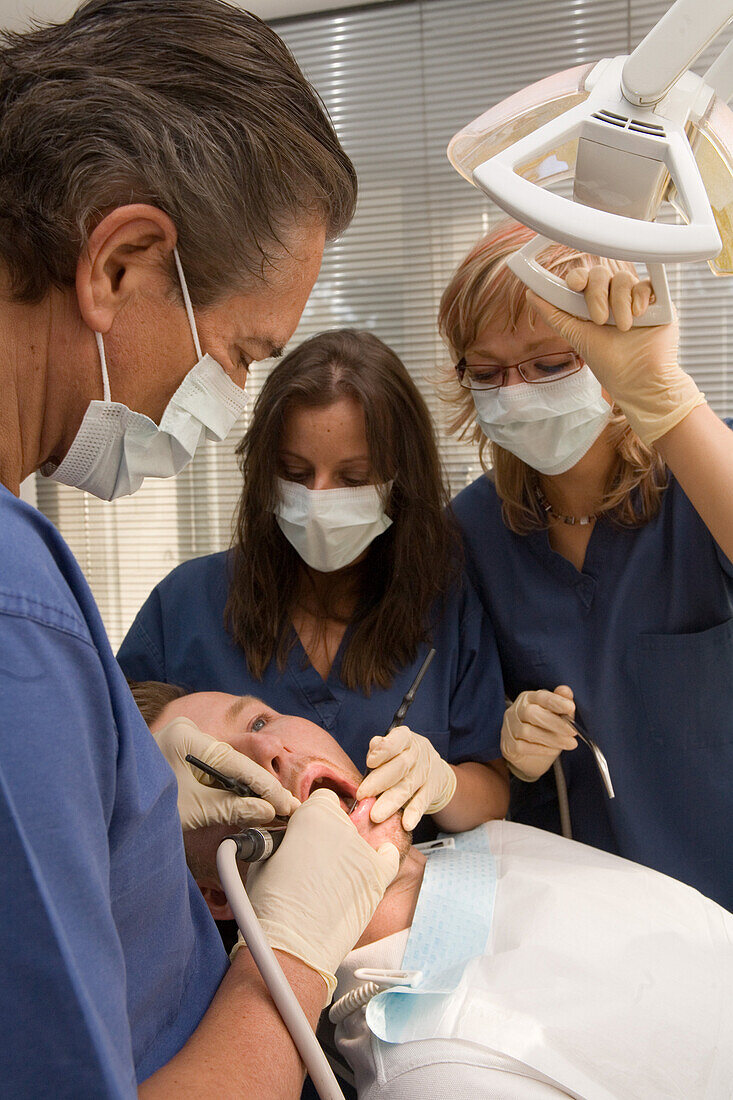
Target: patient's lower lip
361,811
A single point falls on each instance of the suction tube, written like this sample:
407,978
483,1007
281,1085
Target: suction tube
285,1000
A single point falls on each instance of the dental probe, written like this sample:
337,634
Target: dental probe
404,706
234,785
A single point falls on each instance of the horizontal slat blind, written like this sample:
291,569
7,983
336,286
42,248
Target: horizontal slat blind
399,80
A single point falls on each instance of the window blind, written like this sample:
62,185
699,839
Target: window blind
399,80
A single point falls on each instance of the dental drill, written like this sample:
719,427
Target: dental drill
251,846
286,1002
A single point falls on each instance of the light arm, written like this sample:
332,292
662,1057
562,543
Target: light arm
670,48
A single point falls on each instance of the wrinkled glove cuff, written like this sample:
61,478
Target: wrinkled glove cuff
649,433
661,405
446,792
328,977
520,775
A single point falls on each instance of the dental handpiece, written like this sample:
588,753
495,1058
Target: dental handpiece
404,706
258,843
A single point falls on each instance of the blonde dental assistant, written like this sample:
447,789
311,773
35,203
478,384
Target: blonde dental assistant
339,581
601,546
112,975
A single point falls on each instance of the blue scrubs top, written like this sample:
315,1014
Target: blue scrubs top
108,955
179,637
644,637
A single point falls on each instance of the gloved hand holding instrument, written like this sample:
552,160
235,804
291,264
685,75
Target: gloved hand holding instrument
407,769
201,799
535,731
312,899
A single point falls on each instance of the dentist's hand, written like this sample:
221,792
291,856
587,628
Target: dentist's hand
315,896
200,803
534,731
637,366
406,771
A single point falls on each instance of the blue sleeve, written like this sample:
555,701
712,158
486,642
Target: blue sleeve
142,653
62,967
477,703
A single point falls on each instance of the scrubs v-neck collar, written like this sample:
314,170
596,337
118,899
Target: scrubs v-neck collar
325,696
584,580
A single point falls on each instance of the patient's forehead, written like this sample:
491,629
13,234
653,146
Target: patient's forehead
234,718
205,708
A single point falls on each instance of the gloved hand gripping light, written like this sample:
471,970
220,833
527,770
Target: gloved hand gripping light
631,132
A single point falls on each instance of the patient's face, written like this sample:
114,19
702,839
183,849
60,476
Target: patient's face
302,755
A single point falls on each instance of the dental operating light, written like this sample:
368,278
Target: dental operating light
631,132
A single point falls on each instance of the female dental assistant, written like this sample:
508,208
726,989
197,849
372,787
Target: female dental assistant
339,582
601,546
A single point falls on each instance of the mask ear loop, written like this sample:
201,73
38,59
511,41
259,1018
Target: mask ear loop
103,361
187,303
191,321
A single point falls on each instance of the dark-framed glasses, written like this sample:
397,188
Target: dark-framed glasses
543,368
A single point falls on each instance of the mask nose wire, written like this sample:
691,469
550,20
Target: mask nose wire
187,303
191,321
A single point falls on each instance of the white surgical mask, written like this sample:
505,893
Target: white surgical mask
330,528
550,426
116,448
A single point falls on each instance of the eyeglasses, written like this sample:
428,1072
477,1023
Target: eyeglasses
545,368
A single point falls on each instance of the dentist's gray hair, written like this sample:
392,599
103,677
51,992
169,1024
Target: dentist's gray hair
193,106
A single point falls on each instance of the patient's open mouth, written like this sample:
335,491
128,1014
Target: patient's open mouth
317,778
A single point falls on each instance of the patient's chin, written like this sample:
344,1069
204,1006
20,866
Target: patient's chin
389,831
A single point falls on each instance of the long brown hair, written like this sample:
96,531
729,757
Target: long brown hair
484,291
405,570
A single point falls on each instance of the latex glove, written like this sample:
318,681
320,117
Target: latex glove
637,366
406,771
200,803
534,731
315,896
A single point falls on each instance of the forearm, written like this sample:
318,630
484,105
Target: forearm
241,1047
699,452
482,794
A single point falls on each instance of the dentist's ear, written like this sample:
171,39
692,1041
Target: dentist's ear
128,251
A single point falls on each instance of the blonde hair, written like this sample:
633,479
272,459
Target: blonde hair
484,292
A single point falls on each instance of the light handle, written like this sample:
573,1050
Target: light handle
525,266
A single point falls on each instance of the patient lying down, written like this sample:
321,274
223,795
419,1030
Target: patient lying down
600,979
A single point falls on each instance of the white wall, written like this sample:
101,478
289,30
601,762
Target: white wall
15,14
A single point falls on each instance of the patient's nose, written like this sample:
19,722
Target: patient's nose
272,753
